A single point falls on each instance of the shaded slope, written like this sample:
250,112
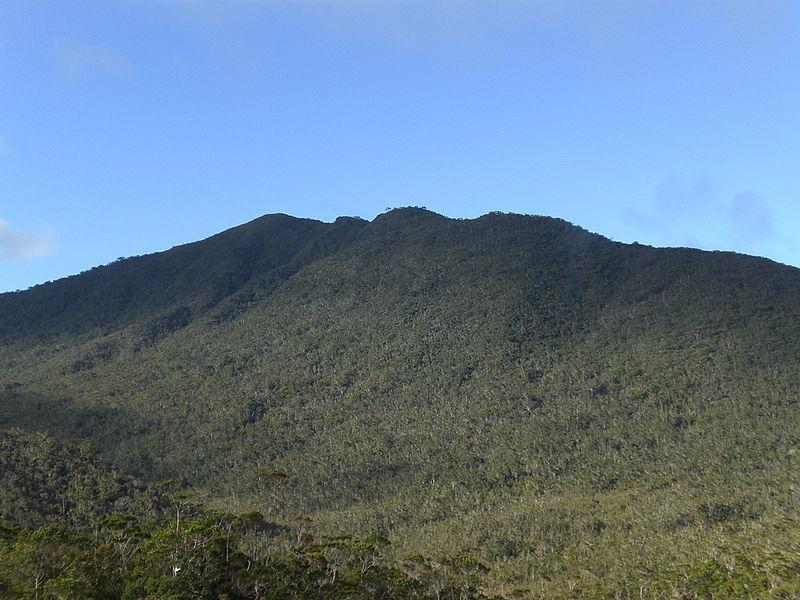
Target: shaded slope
190,278
44,481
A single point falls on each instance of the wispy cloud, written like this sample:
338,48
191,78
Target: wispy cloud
75,58
696,215
751,219
17,244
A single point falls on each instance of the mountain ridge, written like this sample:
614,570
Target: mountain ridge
239,249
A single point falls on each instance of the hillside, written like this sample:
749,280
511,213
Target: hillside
72,526
584,416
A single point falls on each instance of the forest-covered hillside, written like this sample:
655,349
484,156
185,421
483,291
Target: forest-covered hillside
581,417
84,530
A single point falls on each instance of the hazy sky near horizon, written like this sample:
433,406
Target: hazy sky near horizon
130,127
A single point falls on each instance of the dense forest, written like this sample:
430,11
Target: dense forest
80,542
412,407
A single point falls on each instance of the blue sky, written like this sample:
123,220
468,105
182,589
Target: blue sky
130,127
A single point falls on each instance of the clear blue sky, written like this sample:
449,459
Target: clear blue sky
130,127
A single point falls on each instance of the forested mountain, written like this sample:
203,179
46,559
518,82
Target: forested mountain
584,417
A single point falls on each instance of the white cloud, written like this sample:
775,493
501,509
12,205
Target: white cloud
75,58
17,244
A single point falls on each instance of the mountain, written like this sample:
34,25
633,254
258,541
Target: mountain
583,416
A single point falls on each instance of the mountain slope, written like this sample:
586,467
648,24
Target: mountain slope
511,387
192,278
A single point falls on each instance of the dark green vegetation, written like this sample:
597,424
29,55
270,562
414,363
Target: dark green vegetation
585,418
169,547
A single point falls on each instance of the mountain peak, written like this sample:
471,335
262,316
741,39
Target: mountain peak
408,213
